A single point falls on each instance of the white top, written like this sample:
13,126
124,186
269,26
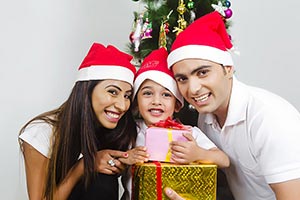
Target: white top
261,136
201,139
39,135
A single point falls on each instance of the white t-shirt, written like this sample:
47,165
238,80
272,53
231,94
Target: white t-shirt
39,135
261,136
201,139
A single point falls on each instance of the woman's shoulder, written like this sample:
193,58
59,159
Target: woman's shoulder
39,135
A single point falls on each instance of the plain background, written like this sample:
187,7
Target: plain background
42,43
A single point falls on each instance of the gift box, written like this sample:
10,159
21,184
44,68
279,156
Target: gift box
194,181
159,136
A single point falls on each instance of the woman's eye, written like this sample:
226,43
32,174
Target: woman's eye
128,96
113,92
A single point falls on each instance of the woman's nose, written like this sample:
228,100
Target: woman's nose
121,104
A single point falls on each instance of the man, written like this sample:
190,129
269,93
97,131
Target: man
258,130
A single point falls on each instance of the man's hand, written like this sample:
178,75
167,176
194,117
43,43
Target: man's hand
172,194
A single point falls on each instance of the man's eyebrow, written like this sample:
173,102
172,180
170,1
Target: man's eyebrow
199,68
194,71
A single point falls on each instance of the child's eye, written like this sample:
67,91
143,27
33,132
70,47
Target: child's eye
147,93
167,94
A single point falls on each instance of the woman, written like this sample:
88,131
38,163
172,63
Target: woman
74,151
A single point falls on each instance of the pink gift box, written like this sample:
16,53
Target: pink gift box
158,142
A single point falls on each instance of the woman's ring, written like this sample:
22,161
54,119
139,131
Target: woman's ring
111,162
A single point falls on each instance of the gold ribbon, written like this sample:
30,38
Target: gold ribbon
170,138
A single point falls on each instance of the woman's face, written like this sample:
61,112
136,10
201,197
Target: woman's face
110,100
155,102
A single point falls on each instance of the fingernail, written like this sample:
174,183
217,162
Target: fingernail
168,191
126,155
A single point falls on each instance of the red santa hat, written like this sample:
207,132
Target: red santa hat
155,68
206,38
106,63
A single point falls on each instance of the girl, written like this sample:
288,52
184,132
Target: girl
156,97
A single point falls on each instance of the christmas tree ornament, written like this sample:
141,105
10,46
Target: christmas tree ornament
136,37
227,4
181,7
220,8
162,40
182,24
228,13
147,29
190,5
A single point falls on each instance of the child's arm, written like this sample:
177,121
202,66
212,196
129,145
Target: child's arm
135,155
190,151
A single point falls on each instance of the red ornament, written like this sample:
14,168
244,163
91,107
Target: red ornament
131,37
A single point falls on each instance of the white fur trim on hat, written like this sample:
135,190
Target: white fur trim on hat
200,52
100,72
161,78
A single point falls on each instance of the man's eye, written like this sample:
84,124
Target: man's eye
180,79
202,72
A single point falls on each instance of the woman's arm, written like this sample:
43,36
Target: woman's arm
187,152
36,172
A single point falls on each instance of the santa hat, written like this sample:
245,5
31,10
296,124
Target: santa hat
106,63
206,38
155,68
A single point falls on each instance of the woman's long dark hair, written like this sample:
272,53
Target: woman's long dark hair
76,130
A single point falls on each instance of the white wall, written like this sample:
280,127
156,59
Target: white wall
267,35
43,42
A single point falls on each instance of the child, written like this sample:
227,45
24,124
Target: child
157,98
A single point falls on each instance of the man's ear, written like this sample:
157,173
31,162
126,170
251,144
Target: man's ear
229,70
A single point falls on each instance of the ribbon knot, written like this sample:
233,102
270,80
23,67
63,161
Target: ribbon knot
170,123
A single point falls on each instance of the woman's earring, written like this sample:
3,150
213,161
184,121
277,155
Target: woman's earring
191,107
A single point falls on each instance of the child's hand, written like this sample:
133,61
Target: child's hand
135,155
185,152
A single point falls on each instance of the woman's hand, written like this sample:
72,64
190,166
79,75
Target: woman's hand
135,155
107,161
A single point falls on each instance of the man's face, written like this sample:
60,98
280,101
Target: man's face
204,84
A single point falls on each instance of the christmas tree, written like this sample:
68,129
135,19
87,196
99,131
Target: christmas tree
159,24
162,20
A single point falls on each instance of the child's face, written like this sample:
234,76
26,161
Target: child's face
155,102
